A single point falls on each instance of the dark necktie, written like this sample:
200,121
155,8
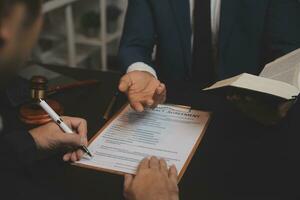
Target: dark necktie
202,69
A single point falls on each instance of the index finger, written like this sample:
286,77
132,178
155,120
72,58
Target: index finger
79,125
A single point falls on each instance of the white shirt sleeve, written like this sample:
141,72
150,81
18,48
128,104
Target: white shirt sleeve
141,66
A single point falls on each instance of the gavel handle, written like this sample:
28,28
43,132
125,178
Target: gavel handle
60,88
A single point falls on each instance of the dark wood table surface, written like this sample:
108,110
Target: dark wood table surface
225,174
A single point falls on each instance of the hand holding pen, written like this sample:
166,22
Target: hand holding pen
50,137
67,129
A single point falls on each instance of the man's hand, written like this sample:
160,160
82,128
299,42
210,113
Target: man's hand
153,181
143,90
50,137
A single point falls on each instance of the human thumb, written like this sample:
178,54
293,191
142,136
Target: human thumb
124,83
127,181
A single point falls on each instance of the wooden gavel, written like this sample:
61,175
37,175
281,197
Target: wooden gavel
32,113
39,87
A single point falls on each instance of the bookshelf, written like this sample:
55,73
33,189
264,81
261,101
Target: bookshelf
75,46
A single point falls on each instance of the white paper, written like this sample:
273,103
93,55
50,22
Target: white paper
168,132
285,69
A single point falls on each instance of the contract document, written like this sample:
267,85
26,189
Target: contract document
169,132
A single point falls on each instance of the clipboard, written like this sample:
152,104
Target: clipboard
186,164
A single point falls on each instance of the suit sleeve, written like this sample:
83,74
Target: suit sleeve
17,150
283,27
292,130
139,35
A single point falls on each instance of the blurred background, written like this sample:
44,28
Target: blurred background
80,34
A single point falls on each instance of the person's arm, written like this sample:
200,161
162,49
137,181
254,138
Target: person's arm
20,148
140,83
283,28
139,35
17,148
50,137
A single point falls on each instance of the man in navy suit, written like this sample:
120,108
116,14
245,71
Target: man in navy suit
199,42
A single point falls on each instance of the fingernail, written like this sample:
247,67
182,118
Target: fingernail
83,140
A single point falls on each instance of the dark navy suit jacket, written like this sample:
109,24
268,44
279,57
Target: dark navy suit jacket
252,33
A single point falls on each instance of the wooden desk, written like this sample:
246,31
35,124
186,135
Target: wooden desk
239,158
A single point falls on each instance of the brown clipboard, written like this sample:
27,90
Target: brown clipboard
187,162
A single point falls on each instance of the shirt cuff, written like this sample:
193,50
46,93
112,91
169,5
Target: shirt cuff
140,66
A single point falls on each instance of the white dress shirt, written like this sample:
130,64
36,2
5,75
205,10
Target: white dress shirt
215,24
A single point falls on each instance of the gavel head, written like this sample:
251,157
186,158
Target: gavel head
31,113
39,86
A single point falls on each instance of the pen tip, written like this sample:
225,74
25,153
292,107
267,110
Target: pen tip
89,154
87,151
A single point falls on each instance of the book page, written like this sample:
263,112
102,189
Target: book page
285,69
268,86
259,84
168,132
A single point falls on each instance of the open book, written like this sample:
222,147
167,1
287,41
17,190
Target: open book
280,78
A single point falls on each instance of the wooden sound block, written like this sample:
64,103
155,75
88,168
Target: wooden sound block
33,114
